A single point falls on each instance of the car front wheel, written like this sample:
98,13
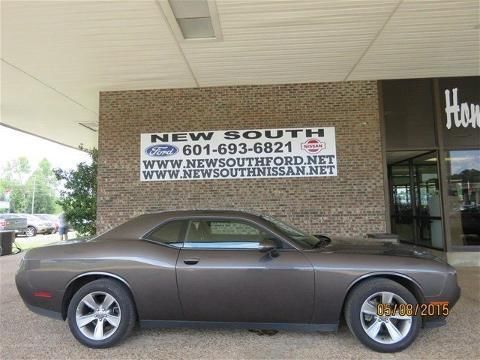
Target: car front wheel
101,313
382,333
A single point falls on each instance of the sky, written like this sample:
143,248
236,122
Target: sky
14,144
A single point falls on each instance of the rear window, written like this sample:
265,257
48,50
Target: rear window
170,233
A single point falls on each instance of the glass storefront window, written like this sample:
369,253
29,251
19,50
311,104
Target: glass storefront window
432,147
463,203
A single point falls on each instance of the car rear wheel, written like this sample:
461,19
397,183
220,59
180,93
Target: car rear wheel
381,333
101,313
31,231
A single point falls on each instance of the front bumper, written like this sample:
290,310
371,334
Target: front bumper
450,295
457,291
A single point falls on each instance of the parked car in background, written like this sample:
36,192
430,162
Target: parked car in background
235,269
35,225
13,222
53,219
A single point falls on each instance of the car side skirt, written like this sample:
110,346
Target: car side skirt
149,324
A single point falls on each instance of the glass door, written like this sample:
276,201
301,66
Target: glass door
402,202
416,201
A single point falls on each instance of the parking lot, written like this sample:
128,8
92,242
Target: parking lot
25,335
25,242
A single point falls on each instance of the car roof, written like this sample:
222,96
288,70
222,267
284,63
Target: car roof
10,215
31,216
202,212
140,225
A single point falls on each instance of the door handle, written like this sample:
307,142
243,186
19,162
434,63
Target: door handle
191,261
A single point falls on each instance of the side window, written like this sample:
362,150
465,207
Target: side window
222,234
169,234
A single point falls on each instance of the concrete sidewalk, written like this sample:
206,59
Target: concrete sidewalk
24,335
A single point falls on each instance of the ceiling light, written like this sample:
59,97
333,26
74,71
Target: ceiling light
196,28
192,19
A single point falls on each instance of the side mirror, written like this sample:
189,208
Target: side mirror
266,245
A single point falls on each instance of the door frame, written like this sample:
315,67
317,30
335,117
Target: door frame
413,183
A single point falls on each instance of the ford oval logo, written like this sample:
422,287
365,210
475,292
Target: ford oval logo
161,150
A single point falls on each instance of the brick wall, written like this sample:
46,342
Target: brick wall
351,204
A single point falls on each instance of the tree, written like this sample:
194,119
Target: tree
26,188
41,189
14,175
79,197
17,170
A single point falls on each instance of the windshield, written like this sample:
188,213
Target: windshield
297,236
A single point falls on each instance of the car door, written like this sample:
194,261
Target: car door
222,275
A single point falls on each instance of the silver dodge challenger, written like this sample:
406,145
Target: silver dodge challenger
235,269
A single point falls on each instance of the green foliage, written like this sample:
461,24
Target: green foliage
41,186
17,170
79,197
25,188
14,175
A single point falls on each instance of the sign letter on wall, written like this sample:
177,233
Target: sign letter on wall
464,114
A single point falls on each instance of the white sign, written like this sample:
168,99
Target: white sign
238,154
469,115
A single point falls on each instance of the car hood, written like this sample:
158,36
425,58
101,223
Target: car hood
376,247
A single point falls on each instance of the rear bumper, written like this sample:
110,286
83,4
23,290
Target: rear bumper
45,312
46,306
43,229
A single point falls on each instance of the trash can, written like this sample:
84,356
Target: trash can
6,240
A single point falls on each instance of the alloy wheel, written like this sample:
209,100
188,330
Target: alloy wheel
30,231
98,315
384,329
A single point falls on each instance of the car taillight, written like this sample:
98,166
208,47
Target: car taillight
3,224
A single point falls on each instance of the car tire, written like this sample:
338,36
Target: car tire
386,334
31,231
103,322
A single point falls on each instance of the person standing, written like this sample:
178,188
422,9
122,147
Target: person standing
62,227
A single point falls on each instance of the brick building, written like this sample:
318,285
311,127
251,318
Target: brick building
386,133
393,84
350,204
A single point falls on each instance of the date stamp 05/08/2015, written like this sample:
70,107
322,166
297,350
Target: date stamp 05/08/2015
439,308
